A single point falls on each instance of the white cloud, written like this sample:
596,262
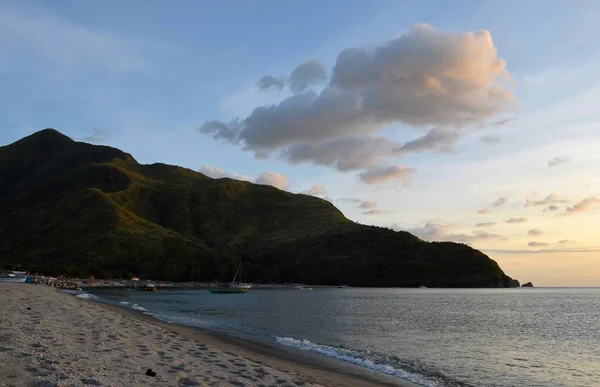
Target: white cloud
376,211
385,174
316,190
270,83
307,74
565,241
435,139
433,231
516,220
553,198
582,206
558,160
275,179
453,81
490,139
218,173
535,232
367,204
98,136
486,224
499,202
537,244
345,154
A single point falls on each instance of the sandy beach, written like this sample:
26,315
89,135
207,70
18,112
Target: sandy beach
50,338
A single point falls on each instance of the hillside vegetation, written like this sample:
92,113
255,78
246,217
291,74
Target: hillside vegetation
77,209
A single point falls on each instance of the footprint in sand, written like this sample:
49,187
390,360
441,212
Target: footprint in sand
188,382
262,371
91,382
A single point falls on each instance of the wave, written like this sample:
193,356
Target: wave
362,358
81,294
86,296
139,308
124,303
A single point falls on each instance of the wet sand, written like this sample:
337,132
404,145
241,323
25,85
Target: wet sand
50,338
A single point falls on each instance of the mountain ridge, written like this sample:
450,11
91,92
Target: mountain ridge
68,207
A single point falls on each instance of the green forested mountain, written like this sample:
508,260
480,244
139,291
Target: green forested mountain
72,208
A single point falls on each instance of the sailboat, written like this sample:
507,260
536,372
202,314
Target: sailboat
232,287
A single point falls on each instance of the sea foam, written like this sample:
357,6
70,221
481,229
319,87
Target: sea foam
360,358
86,296
139,308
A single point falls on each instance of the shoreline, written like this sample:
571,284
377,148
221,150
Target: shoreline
49,336
284,358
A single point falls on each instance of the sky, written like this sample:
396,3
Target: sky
460,121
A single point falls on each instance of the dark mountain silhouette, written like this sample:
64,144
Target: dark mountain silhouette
77,209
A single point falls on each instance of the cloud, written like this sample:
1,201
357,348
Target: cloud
499,202
316,190
385,174
218,173
98,136
275,179
436,139
537,244
502,122
558,160
367,204
433,231
486,224
474,236
220,130
553,198
565,241
424,78
376,211
270,83
490,140
582,206
483,211
345,154
267,178
516,220
307,74
551,207
535,232
351,200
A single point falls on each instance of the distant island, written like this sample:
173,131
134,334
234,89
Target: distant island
75,209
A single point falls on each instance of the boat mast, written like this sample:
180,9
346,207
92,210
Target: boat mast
236,273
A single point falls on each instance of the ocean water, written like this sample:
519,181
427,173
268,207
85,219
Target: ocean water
432,337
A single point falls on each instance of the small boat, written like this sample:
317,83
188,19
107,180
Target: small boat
232,287
343,287
423,287
303,287
147,287
14,276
